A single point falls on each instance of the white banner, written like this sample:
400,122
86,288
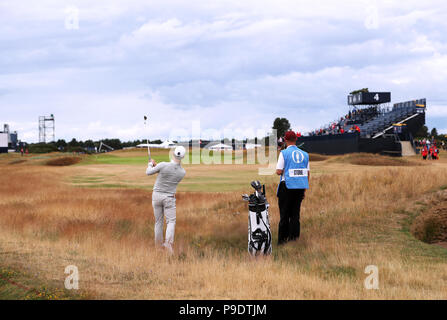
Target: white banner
3,140
298,173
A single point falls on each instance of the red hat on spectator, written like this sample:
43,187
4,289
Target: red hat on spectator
290,136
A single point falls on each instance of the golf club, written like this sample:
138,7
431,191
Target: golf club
147,140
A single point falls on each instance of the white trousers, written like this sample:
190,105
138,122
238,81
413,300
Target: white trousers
164,207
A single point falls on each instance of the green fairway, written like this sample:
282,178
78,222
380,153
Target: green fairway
220,179
139,157
113,159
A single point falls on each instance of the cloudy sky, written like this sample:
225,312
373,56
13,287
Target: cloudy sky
99,66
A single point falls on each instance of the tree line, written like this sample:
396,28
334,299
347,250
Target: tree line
282,125
87,146
424,132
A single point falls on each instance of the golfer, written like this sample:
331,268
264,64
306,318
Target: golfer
163,195
293,167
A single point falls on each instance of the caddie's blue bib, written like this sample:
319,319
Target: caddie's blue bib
296,163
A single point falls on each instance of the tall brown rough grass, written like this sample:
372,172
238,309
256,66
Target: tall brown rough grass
366,159
350,219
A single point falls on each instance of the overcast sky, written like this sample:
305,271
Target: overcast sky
99,66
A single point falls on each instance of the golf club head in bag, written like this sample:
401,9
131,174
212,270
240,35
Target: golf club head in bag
259,233
256,185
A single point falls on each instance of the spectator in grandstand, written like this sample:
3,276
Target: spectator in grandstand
353,129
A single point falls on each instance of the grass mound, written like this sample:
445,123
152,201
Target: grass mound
367,159
317,157
431,225
66,161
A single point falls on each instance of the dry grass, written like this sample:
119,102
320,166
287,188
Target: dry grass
350,219
366,159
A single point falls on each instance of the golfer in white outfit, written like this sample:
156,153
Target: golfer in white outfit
163,195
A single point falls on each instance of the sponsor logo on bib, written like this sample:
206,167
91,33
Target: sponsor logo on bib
297,156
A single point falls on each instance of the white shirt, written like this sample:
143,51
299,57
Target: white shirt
280,164
169,176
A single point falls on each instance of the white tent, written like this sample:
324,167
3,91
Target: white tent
220,146
4,142
250,146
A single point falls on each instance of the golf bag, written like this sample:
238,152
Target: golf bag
259,234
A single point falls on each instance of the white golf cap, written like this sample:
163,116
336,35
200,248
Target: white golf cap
179,152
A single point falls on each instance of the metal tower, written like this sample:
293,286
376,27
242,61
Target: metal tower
46,129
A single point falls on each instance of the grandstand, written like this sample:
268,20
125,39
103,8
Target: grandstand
370,126
401,113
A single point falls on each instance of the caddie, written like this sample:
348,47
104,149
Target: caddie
293,167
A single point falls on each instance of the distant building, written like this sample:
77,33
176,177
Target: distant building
3,142
220,146
8,140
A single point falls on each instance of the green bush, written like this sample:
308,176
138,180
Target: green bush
76,149
42,148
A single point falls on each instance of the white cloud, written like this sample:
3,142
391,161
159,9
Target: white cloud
438,110
231,64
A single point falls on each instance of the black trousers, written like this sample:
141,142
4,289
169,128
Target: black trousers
289,202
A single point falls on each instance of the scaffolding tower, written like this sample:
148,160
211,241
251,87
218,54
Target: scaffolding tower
46,129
